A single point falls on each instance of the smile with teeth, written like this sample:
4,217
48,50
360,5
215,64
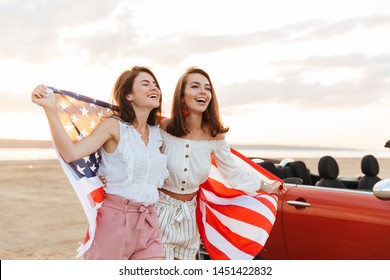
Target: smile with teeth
201,100
153,96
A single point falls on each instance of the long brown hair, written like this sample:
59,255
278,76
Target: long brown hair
211,117
124,86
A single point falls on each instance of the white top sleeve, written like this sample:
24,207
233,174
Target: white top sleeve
235,174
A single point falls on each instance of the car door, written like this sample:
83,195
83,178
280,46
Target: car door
326,223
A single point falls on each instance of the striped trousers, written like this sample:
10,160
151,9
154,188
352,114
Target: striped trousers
180,235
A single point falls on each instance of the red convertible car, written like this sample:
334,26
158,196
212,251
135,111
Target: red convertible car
325,217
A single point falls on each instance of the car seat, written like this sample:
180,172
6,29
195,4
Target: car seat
328,170
280,172
270,166
370,169
300,170
285,166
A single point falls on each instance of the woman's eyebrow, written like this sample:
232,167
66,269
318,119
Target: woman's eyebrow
149,82
195,82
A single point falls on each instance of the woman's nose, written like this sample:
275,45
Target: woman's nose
153,87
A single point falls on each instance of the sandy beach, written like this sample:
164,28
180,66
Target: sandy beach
40,215
41,218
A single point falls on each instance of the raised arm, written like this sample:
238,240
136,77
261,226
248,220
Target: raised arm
108,130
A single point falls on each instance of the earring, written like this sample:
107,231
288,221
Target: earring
184,110
207,115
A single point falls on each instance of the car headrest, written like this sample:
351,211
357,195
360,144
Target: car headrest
268,165
370,165
328,167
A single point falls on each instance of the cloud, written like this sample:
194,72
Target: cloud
324,29
30,30
105,31
291,87
173,49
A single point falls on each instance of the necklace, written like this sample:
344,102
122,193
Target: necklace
144,136
194,131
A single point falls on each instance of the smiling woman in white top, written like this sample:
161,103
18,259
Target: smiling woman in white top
134,168
190,137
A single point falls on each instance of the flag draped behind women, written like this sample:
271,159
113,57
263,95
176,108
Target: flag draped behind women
232,224
79,115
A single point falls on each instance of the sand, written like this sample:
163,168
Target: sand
41,218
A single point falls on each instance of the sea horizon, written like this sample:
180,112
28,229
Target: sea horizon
6,143
18,149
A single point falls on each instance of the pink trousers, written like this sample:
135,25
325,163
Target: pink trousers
125,231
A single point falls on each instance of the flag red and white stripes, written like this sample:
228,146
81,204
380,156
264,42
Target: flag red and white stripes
233,224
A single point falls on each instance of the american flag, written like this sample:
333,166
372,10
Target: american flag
232,224
79,115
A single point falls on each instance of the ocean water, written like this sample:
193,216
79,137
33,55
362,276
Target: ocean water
262,152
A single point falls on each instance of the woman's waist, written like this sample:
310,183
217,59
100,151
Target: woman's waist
146,194
180,196
130,183
120,201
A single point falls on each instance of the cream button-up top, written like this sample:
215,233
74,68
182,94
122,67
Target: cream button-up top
189,163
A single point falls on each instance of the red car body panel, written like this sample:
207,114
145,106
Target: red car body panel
338,224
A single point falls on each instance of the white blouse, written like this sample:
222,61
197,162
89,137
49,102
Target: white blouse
189,164
134,170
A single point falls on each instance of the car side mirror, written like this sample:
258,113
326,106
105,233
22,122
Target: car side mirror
382,189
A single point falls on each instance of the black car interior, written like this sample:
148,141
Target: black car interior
296,172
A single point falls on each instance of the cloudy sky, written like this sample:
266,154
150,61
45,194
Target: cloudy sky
302,72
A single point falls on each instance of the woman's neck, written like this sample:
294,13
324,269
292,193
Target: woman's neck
194,123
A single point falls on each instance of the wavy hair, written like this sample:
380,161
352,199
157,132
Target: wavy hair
123,87
211,117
